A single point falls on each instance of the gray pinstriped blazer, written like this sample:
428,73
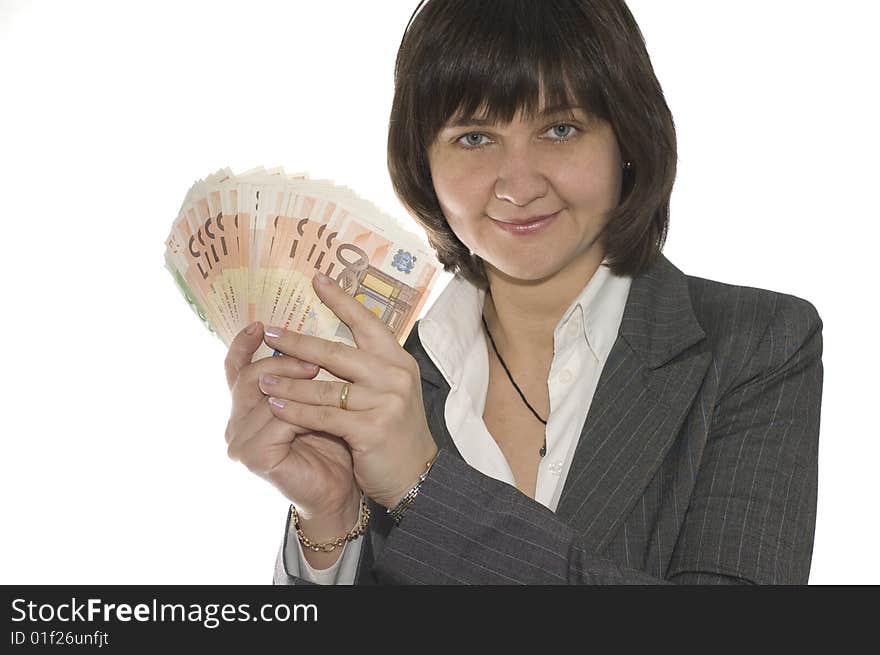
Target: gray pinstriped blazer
697,462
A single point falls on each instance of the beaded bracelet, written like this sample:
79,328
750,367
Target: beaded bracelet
330,546
397,511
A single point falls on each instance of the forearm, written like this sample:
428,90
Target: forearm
467,528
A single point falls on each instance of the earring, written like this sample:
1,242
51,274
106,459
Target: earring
628,165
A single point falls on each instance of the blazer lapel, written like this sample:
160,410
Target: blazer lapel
644,392
643,395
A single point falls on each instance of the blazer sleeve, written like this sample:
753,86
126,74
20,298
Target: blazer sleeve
751,516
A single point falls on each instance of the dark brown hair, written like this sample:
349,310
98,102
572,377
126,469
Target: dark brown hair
458,56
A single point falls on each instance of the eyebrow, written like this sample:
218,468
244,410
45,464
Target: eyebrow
548,111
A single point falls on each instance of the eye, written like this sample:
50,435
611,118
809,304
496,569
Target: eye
467,144
563,125
470,145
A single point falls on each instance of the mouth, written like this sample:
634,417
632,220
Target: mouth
527,225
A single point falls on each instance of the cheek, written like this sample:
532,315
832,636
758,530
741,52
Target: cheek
589,183
461,192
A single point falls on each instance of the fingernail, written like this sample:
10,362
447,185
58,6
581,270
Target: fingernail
268,379
273,331
321,279
277,402
250,328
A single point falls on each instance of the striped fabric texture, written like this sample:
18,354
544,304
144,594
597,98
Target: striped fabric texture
697,462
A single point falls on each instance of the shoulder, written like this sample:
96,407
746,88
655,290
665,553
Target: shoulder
718,305
746,325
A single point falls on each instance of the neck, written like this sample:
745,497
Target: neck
522,315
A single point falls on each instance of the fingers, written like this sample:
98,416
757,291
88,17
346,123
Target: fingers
323,418
341,360
242,350
246,392
239,433
265,448
369,331
319,392
239,429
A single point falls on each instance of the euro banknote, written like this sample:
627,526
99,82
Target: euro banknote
245,248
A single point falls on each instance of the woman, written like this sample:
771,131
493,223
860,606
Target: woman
573,409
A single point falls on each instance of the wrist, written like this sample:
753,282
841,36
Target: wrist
338,511
397,509
323,538
426,460
332,524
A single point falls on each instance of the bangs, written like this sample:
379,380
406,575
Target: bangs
501,58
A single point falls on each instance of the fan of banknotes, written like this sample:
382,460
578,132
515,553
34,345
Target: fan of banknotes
245,247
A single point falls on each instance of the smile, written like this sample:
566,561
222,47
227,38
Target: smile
526,228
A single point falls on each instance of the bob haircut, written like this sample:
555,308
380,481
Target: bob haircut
458,56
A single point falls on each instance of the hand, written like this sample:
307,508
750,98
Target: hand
311,468
384,423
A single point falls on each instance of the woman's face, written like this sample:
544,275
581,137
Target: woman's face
553,165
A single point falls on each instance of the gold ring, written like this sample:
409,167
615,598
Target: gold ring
343,397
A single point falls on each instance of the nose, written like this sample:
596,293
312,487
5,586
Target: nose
520,179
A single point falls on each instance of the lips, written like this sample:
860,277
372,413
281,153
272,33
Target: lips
523,221
526,226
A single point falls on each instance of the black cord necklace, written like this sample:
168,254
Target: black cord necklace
543,450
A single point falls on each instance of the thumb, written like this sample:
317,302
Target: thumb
241,351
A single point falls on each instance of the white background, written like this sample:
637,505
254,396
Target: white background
114,466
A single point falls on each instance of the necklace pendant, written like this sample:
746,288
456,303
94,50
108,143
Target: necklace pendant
543,450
